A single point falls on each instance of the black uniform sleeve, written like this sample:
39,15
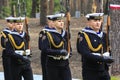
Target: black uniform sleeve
3,42
40,40
84,50
54,52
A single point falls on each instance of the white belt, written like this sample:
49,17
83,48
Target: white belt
97,54
104,54
59,57
22,52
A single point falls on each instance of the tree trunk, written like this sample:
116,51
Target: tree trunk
115,37
72,7
51,6
89,6
43,14
33,11
1,1
82,7
6,2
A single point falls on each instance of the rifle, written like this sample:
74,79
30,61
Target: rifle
107,27
68,25
26,24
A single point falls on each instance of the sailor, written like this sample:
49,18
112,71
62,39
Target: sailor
17,48
54,45
43,57
4,38
91,44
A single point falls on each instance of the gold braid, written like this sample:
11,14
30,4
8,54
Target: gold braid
14,44
52,41
89,43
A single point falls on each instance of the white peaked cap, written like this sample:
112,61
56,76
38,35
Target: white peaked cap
94,15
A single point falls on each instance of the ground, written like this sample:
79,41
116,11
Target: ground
75,64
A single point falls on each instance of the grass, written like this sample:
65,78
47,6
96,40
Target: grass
115,78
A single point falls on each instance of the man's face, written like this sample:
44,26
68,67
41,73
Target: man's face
10,25
95,24
51,23
59,24
19,26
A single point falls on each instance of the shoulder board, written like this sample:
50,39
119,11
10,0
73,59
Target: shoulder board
80,33
80,36
42,33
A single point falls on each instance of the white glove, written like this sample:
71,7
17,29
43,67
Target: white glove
27,52
66,57
106,54
96,54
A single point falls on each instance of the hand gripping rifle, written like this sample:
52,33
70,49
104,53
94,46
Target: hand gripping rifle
26,24
107,27
68,25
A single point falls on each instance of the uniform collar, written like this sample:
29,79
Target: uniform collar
89,30
49,29
54,30
19,34
7,30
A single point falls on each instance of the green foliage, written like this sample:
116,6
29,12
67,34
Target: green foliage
5,12
28,7
58,6
115,78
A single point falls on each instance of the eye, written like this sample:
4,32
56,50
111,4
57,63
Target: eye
59,21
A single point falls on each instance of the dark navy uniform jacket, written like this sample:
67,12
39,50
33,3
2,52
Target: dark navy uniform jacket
52,43
17,42
90,61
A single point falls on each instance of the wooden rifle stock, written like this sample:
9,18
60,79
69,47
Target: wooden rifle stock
26,25
28,38
107,29
68,26
68,30
107,32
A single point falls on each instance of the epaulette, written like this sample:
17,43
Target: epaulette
80,33
42,33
